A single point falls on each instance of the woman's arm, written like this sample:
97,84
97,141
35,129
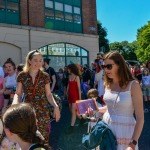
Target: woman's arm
79,89
18,93
51,100
49,95
102,109
138,107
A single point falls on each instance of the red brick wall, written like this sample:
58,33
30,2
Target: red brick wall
23,12
89,17
36,13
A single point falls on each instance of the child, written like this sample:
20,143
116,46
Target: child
73,92
20,127
146,88
93,93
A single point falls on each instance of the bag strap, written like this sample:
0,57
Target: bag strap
35,85
33,147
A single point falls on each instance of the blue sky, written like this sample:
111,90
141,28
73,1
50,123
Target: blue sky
122,18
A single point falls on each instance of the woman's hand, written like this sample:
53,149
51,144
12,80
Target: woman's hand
131,147
56,113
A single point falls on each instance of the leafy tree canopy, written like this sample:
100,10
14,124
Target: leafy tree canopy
125,48
103,41
143,42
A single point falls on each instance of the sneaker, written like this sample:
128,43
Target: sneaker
146,110
70,130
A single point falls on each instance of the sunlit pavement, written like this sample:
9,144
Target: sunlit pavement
59,140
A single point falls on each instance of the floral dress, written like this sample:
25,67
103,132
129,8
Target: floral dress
39,100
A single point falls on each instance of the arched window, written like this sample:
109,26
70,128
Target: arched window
62,54
9,11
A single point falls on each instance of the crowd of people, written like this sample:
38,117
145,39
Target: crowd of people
118,89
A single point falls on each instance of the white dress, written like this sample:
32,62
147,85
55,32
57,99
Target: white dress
120,116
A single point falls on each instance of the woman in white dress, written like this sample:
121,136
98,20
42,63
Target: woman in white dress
123,97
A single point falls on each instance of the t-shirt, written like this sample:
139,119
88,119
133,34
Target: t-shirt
146,80
51,72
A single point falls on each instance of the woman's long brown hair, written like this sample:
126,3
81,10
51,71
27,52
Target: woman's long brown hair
124,73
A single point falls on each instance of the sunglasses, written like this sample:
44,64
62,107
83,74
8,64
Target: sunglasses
108,66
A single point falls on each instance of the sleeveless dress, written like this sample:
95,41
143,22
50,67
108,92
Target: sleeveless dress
120,116
73,92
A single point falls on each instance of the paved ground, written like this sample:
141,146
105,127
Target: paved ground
60,141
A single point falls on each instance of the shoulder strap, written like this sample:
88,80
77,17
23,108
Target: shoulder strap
35,146
35,85
130,86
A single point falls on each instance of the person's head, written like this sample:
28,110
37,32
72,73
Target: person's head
85,66
116,69
148,64
9,66
100,55
73,69
145,72
46,62
92,93
137,68
65,68
61,70
19,68
19,122
34,60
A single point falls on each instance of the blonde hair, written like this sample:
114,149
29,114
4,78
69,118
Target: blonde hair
29,57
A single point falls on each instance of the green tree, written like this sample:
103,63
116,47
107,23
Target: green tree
143,41
126,49
103,41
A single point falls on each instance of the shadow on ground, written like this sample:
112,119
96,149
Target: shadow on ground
59,140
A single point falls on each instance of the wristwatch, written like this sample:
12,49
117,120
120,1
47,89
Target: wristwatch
134,142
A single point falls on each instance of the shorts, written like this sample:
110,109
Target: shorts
146,90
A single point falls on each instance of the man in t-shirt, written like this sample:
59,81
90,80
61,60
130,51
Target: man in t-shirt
52,74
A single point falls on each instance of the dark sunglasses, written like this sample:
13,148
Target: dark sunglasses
108,66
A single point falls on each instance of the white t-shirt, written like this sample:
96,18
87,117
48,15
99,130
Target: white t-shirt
146,80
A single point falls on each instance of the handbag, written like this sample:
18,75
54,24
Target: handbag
100,135
51,108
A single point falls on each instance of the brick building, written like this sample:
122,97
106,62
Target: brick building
63,30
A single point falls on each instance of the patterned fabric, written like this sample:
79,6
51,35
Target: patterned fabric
39,101
8,145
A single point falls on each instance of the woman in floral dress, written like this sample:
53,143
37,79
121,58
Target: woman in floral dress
35,84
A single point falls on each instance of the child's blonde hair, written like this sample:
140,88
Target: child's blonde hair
92,91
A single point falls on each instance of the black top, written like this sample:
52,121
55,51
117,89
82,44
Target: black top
51,72
86,75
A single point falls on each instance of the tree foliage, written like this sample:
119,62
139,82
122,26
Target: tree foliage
143,42
126,49
103,41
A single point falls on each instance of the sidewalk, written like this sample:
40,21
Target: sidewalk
61,141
